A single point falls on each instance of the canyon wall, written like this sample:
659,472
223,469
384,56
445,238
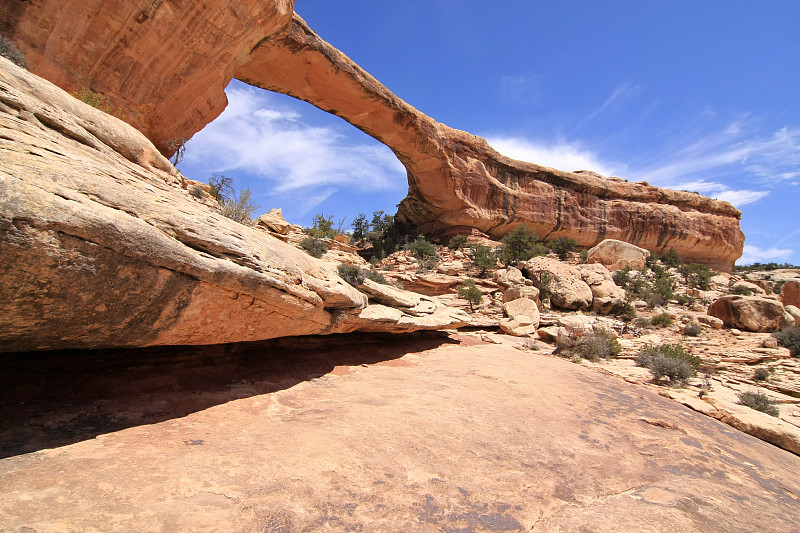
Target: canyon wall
170,84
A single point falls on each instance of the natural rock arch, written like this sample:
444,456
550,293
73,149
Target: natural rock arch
165,65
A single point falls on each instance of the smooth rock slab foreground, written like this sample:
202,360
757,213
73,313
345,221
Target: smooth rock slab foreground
455,438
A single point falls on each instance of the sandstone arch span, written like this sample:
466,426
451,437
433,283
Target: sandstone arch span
166,63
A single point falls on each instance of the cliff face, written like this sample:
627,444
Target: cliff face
166,64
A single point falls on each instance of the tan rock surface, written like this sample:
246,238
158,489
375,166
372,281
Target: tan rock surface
790,293
420,442
751,313
100,247
455,179
616,255
524,307
569,291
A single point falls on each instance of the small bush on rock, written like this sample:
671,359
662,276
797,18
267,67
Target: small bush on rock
483,257
601,344
692,329
520,245
742,290
662,320
790,338
562,246
239,209
457,242
669,360
314,246
422,249
471,293
758,401
761,374
376,276
697,276
671,258
10,51
351,274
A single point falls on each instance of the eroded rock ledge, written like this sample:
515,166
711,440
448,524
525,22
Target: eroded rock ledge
100,247
168,75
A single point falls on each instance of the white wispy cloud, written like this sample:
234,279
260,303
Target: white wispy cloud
255,136
721,191
754,254
562,155
623,92
731,150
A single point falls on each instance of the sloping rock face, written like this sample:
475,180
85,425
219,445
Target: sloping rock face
100,247
455,179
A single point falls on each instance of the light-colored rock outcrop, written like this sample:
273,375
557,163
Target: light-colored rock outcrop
616,255
751,313
607,296
100,247
568,289
522,307
151,59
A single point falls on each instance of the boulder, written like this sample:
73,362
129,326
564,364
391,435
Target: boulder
519,326
718,282
617,255
510,277
750,313
523,307
567,287
790,293
451,268
521,291
794,311
607,296
273,222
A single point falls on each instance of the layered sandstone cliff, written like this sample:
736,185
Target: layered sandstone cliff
171,84
100,247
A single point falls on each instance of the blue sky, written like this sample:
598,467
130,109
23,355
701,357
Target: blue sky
698,95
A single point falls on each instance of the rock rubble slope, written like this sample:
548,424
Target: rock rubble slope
168,73
100,247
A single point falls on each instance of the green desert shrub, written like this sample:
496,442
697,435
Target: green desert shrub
240,209
376,276
600,344
669,361
10,51
98,101
758,401
692,329
562,246
457,242
314,246
422,249
671,258
483,258
790,338
520,244
662,320
470,292
351,274
622,276
742,290
761,374
697,276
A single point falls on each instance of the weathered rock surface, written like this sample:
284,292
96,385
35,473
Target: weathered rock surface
607,296
569,291
616,255
522,307
455,179
567,449
751,313
790,293
100,247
